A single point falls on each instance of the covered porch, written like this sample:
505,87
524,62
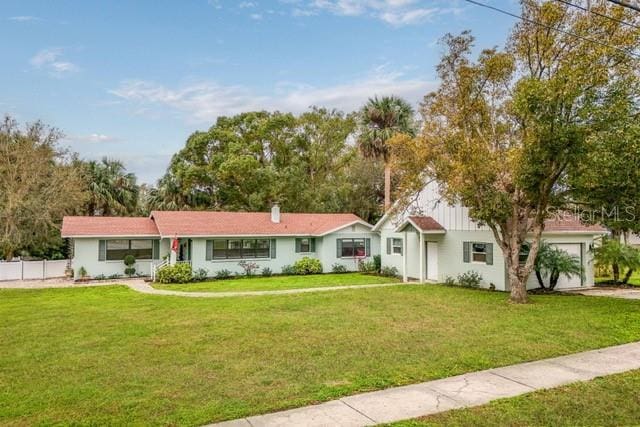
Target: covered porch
421,238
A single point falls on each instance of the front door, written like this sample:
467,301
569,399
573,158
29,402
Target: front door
432,261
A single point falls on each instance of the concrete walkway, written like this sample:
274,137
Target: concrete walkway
462,391
625,293
141,286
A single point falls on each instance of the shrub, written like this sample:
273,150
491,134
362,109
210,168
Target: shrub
266,272
470,279
100,277
288,270
129,261
249,267
389,272
82,273
223,274
338,268
366,266
177,273
200,274
114,276
450,281
377,262
307,265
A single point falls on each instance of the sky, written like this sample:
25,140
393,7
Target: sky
131,80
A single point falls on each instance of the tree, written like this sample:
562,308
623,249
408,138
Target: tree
39,184
500,133
113,191
553,262
381,119
618,255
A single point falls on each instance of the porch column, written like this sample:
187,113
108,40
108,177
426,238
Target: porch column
422,258
404,258
173,255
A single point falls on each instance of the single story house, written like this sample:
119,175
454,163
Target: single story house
214,241
432,240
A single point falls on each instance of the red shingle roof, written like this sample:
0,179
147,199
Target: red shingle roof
570,223
78,226
426,223
205,223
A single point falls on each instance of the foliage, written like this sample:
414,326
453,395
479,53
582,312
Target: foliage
82,273
288,270
30,162
338,268
380,120
553,262
500,133
307,265
377,261
176,273
618,255
389,271
469,279
223,274
114,276
248,161
99,277
450,281
249,267
200,275
367,266
112,190
129,261
266,272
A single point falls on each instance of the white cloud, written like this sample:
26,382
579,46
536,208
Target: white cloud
247,4
24,18
393,12
202,102
256,16
51,60
92,138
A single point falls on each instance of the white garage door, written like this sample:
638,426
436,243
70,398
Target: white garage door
573,281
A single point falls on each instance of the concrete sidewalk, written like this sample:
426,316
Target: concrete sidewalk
462,391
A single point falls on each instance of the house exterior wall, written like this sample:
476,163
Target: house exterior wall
85,254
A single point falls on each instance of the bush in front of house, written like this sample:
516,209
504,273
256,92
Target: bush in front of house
377,262
339,268
470,279
288,270
200,275
248,267
367,266
223,274
177,273
266,272
82,273
129,261
307,265
389,272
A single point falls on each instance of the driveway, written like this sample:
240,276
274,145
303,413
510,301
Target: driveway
625,293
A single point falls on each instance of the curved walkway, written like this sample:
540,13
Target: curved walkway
141,286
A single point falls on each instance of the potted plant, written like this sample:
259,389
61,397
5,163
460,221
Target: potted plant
129,261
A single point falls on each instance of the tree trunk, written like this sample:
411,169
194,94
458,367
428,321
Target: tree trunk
516,281
616,272
553,279
627,276
539,277
387,187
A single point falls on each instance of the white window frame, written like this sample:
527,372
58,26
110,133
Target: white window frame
483,252
396,246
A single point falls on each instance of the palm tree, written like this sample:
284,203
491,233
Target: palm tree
618,255
380,120
555,262
113,190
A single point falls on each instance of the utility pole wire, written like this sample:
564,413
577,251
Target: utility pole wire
549,27
588,9
625,3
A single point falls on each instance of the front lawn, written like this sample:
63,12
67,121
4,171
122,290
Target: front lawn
273,283
634,280
607,401
110,355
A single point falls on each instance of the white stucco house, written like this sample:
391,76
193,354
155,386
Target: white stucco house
214,241
432,240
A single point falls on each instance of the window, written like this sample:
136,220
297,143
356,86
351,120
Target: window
479,252
396,246
349,248
238,248
306,244
116,250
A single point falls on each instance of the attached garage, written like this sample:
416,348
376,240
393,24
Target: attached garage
574,249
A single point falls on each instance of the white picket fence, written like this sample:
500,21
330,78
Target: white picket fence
32,270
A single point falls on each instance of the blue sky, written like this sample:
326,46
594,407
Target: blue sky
132,79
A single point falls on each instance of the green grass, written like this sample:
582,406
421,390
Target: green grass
273,283
607,401
634,280
110,355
